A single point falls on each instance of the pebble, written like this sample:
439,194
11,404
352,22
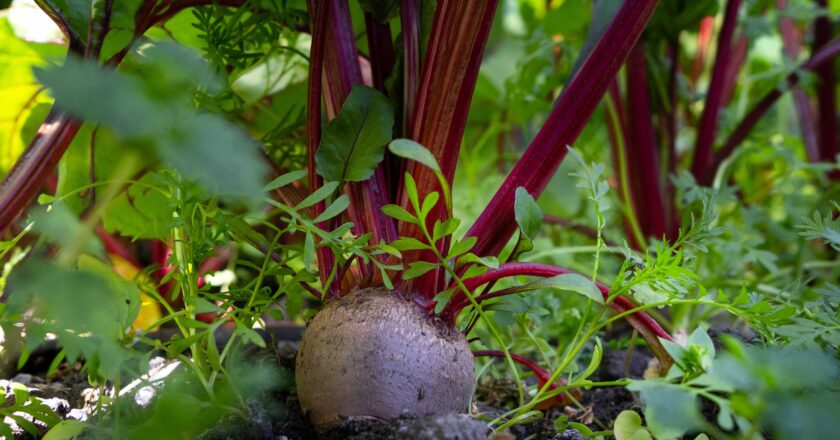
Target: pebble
444,427
22,378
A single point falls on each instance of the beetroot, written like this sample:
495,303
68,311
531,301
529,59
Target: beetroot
373,354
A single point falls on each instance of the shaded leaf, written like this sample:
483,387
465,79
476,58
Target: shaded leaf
354,141
528,214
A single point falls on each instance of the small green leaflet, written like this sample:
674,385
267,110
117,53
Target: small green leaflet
418,268
445,228
461,246
628,426
335,208
528,214
285,179
354,142
569,282
398,213
408,149
318,195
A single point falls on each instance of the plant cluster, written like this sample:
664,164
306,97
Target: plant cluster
206,168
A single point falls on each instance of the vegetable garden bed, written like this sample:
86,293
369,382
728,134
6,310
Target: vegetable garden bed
453,219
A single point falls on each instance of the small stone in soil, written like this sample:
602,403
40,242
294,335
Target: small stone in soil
444,427
22,378
405,427
570,434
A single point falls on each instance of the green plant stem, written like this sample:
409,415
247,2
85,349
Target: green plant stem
627,204
594,328
123,171
476,306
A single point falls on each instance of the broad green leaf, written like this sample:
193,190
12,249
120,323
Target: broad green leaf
670,410
74,170
571,282
141,212
19,91
122,287
409,149
354,142
230,162
508,303
142,112
85,311
528,214
82,16
107,97
276,72
59,225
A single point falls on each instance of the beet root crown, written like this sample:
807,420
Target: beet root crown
373,354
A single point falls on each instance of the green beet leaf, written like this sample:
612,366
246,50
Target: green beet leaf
354,142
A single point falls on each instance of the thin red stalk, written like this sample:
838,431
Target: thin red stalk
641,321
825,55
642,150
341,73
704,36
703,156
574,107
382,60
792,40
410,21
319,17
24,180
541,374
736,62
459,34
806,123
450,70
826,94
341,66
381,48
506,270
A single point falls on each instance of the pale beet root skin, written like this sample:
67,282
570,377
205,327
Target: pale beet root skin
374,354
